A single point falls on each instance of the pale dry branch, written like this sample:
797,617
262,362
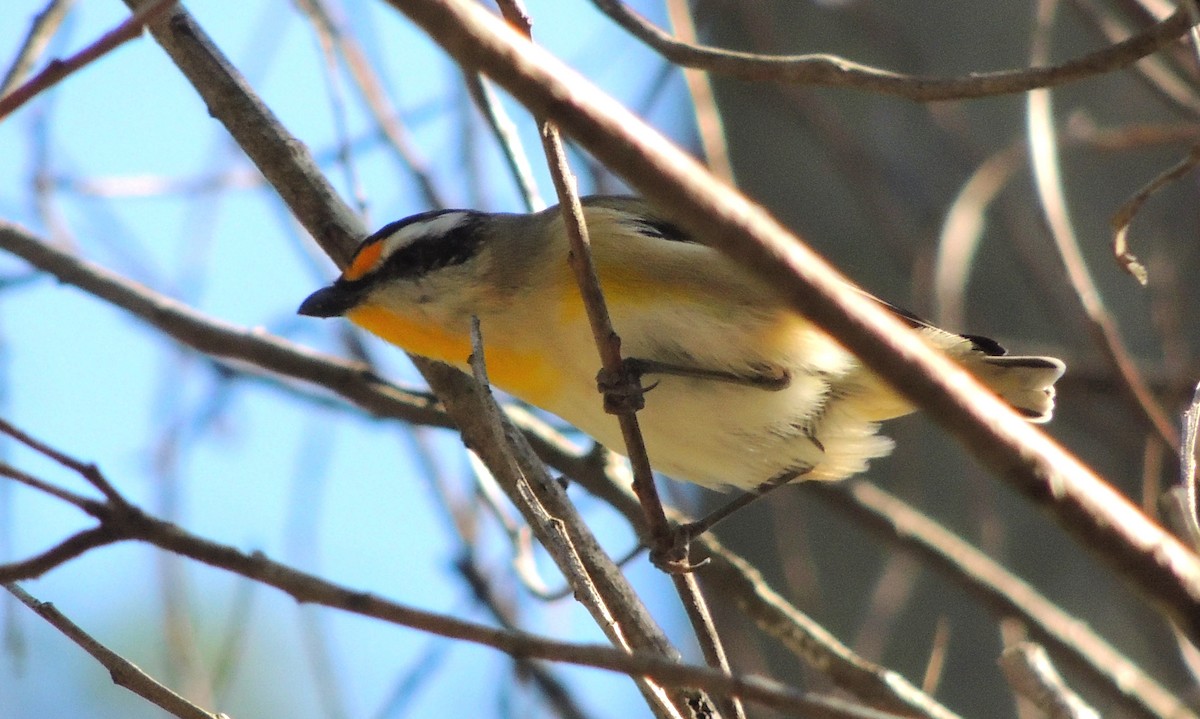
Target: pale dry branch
1187,470
709,126
43,27
1032,676
1124,215
1044,158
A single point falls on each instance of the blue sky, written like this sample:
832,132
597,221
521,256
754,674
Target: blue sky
243,462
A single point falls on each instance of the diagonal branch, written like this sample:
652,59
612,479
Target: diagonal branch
58,70
1098,516
121,520
222,339
73,546
833,71
124,673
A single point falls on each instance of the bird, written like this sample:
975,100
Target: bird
743,389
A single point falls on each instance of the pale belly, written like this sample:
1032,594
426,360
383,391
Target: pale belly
719,434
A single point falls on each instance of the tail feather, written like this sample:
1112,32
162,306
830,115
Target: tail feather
1026,383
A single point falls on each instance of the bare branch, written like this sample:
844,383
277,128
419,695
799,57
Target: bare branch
833,71
84,469
1099,517
123,672
1043,148
1003,593
1033,677
1187,469
74,546
58,70
1124,215
213,336
709,126
876,685
44,25
88,505
128,522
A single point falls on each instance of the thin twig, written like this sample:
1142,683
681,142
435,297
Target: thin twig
709,125
608,344
58,70
327,38
124,521
374,96
578,563
1032,676
1187,468
1124,215
962,232
833,71
84,503
43,27
940,649
876,685
1155,73
86,470
70,548
123,672
1003,593
1043,149
505,132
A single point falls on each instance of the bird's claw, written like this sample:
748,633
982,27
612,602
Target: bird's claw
623,389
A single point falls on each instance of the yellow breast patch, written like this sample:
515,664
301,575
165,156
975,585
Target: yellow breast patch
533,379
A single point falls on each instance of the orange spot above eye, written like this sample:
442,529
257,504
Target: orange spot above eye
365,261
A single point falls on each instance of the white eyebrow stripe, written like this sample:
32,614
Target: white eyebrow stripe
407,235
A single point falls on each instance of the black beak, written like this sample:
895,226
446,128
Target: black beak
331,301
